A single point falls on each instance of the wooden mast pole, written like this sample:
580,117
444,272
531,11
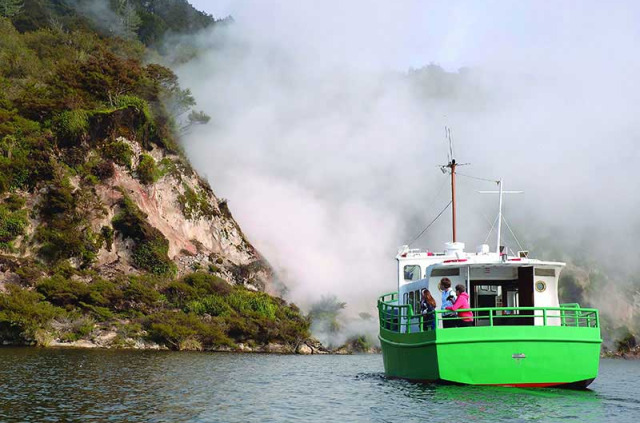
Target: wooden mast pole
452,166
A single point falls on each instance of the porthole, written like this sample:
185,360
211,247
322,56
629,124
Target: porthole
541,286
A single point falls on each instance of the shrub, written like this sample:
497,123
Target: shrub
71,126
206,284
195,204
151,247
147,170
120,152
142,291
13,222
23,313
103,170
173,328
63,291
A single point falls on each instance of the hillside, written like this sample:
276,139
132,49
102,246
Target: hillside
107,235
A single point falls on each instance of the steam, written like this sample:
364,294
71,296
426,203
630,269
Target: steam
326,144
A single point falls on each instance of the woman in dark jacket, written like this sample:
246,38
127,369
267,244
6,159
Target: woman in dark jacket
427,309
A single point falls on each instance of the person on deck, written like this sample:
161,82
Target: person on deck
448,298
462,302
427,309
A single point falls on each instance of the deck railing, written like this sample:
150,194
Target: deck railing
402,318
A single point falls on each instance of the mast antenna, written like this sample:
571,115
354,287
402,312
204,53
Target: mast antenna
450,167
500,192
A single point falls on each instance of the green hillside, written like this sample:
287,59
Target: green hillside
88,130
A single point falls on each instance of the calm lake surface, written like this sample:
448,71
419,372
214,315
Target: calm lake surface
49,385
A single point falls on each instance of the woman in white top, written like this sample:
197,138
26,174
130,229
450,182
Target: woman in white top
448,298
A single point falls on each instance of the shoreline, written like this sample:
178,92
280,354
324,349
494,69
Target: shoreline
308,347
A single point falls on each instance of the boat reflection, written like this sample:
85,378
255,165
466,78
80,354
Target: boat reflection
479,403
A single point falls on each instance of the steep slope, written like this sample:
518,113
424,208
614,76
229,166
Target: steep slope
107,235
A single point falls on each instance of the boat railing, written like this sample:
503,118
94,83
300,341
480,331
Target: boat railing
403,319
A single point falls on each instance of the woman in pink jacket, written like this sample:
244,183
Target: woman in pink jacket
462,302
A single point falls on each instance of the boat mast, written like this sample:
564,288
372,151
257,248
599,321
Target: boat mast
499,217
452,167
452,170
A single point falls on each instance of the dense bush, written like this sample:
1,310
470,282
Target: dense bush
13,221
118,151
23,313
147,170
151,247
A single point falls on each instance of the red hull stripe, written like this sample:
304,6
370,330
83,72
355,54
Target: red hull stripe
528,385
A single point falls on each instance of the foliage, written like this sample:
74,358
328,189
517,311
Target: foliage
174,328
151,247
120,152
195,204
147,170
326,314
64,231
626,343
70,91
13,221
9,8
23,313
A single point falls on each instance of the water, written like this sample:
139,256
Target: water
42,385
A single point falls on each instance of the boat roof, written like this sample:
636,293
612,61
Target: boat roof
458,257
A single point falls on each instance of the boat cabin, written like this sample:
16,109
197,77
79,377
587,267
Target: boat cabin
491,280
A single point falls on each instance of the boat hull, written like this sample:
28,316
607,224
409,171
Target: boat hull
525,356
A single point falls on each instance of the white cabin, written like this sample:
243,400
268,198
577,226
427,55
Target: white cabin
490,279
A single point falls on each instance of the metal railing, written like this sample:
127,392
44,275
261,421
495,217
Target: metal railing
403,319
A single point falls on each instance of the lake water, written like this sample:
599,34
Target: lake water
49,385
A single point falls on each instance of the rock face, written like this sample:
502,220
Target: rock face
199,228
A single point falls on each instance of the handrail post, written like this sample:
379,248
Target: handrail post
544,317
491,318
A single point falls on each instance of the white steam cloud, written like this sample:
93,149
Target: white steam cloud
327,147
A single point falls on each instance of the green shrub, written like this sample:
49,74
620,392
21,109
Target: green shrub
173,328
23,313
120,152
71,126
205,284
213,305
107,235
150,246
13,223
195,204
63,291
147,170
143,291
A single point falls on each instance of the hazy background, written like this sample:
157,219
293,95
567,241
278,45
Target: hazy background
327,130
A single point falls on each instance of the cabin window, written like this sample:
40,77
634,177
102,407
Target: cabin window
405,299
411,298
412,272
545,272
454,271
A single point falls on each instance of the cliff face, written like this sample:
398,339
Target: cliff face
199,230
107,235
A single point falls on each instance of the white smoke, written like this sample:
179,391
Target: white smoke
327,148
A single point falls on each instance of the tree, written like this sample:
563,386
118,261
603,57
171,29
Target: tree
9,8
129,17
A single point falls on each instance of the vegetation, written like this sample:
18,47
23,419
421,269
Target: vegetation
195,204
78,102
13,221
199,311
151,247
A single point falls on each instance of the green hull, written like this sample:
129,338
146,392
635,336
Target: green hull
495,355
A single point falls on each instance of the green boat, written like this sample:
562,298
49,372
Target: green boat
519,334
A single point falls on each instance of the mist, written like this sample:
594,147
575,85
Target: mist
328,123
